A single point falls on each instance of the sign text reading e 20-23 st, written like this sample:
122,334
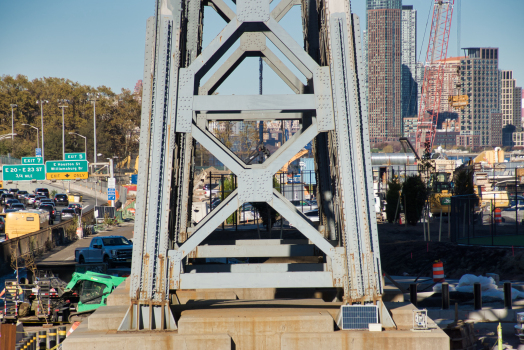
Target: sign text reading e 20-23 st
23,172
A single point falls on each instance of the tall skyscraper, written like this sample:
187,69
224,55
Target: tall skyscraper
510,103
409,61
384,22
480,80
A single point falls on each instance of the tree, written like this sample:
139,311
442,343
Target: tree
415,192
388,149
118,117
392,200
463,182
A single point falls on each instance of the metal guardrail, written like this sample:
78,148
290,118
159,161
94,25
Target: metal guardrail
37,241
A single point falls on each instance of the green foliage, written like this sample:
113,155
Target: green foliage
463,180
226,187
53,194
415,193
392,196
118,118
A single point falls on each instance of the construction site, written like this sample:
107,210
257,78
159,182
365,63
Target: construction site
312,242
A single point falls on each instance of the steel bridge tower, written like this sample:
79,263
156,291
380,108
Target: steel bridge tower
177,106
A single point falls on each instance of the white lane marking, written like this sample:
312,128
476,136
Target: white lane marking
71,258
84,208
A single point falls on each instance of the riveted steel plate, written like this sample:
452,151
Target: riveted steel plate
255,185
253,10
186,89
324,99
253,42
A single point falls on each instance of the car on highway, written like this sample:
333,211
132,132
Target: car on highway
13,191
61,199
10,210
18,206
6,196
47,201
29,199
108,249
42,191
37,200
67,213
2,224
10,202
76,206
21,195
51,209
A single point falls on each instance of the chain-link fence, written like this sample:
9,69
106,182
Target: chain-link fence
7,160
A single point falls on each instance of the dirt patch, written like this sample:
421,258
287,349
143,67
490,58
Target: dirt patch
403,250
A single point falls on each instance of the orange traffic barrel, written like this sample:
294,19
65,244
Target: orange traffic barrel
498,215
438,271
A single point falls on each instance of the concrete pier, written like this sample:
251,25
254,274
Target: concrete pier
284,324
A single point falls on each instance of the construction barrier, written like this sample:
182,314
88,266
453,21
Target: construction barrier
438,271
498,215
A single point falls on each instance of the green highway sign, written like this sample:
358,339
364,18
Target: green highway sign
75,156
23,172
66,166
32,160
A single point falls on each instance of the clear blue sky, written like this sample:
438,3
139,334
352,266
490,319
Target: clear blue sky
101,42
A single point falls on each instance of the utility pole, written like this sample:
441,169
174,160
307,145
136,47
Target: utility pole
260,78
63,102
41,102
13,123
93,98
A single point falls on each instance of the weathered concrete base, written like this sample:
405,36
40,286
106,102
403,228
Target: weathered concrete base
254,325
386,340
84,339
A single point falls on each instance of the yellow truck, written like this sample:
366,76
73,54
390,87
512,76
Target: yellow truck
497,199
22,222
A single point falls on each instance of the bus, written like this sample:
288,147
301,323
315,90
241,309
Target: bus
20,223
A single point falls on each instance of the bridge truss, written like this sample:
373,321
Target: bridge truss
177,106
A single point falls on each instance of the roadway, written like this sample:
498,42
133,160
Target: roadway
66,254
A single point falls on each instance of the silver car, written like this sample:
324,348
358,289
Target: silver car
30,199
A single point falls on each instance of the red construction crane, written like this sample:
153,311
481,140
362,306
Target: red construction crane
433,75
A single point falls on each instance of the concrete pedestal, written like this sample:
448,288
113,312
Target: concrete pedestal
253,325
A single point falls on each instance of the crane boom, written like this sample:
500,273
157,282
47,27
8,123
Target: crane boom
433,75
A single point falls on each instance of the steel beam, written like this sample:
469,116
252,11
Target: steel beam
255,268
256,280
231,103
253,251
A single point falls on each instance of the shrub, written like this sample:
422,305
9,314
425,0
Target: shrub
415,193
392,196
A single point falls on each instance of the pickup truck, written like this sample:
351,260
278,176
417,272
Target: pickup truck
107,249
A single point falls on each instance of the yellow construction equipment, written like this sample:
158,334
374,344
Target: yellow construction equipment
295,157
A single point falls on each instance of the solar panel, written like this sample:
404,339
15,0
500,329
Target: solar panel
358,316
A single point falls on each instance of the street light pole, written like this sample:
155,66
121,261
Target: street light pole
41,102
85,141
37,141
13,106
94,97
63,125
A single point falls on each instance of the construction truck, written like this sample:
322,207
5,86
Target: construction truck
49,299
440,193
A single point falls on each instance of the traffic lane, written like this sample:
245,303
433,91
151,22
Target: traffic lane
88,201
66,254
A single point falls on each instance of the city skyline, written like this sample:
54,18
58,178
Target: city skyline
105,45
